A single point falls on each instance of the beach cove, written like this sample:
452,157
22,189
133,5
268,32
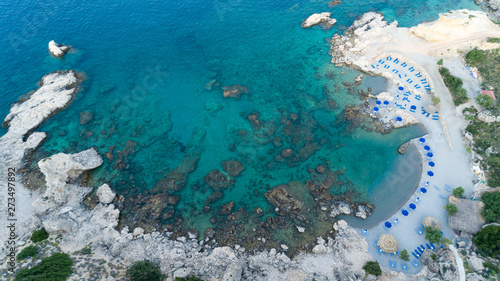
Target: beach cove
255,132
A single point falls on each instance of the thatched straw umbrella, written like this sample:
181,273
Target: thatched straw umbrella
388,243
432,221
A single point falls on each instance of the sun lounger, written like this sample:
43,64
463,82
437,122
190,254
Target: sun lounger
418,232
415,264
428,246
414,255
435,118
428,88
418,75
402,266
389,58
432,245
407,265
422,246
448,186
427,115
378,249
404,64
387,66
411,69
380,61
435,186
390,263
466,67
423,227
373,66
449,190
417,87
375,243
395,264
442,196
396,60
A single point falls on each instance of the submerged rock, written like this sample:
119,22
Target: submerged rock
234,91
58,50
284,202
217,180
233,167
85,117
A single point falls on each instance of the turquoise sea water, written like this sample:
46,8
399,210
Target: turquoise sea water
146,67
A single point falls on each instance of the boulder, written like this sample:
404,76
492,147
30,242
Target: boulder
233,272
234,91
85,117
105,194
475,263
58,50
217,180
315,19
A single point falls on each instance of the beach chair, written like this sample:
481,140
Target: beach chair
395,264
375,243
435,186
417,87
444,197
373,66
422,246
428,88
387,66
414,255
366,231
428,246
449,186
404,64
411,69
423,228
396,60
428,114
402,266
423,80
380,61
417,231
390,263
378,249
432,245
447,189
418,75
389,58
418,97
415,264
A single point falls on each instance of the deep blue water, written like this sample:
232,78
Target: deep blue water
147,64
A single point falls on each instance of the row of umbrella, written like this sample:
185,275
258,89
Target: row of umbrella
430,155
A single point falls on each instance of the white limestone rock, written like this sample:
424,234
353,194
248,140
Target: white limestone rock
475,263
315,19
300,229
105,194
138,231
233,272
58,50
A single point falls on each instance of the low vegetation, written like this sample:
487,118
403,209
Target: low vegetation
491,208
451,209
39,235
30,251
144,271
404,255
454,85
436,100
57,267
488,240
485,101
432,234
440,62
458,192
190,278
373,268
476,56
493,40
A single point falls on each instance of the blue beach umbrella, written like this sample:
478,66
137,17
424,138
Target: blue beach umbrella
423,190
386,102
430,173
388,224
413,206
401,88
413,107
399,118
432,164
405,213
427,147
429,154
375,108
378,102
422,140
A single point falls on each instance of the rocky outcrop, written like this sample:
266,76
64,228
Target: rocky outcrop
442,266
284,202
59,170
58,50
315,19
217,180
105,194
85,117
487,117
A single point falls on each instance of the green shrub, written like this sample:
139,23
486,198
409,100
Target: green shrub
57,267
404,255
451,209
445,241
488,240
373,268
454,84
458,192
491,208
434,257
144,271
475,55
432,234
485,101
29,251
493,40
440,62
436,100
39,235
